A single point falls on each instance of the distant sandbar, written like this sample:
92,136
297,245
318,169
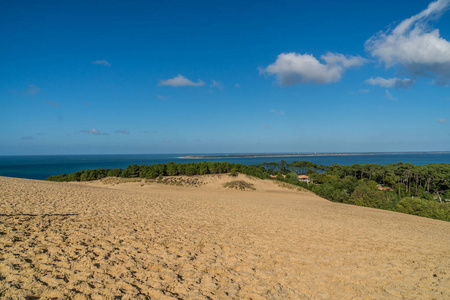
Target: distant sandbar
301,154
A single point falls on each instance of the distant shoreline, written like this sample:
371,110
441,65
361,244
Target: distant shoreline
303,154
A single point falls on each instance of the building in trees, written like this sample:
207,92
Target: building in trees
304,178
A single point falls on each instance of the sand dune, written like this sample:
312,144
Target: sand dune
137,240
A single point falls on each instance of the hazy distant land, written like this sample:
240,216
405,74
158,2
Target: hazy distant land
303,154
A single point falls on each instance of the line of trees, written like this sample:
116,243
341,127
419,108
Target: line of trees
169,169
419,190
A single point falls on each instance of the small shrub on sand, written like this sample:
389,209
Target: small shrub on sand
239,185
182,181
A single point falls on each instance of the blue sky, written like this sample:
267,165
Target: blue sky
100,77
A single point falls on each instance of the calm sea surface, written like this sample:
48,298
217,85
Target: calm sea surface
40,167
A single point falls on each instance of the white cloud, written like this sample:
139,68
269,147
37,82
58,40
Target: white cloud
93,131
101,62
277,112
293,68
442,120
390,82
414,46
389,96
180,80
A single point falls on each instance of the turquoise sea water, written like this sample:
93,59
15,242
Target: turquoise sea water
40,167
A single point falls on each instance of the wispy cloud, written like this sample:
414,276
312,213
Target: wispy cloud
442,120
160,97
389,96
414,46
27,137
216,84
102,62
93,131
55,104
294,68
237,85
180,80
124,131
33,90
391,82
277,112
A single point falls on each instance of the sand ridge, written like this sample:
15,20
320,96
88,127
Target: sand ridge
140,240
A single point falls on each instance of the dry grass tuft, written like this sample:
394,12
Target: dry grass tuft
118,180
182,181
239,185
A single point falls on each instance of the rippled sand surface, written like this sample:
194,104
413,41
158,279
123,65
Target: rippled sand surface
201,241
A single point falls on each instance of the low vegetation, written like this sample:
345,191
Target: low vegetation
403,187
180,181
117,180
290,186
239,185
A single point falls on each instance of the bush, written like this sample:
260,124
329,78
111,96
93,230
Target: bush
340,196
367,194
424,208
292,177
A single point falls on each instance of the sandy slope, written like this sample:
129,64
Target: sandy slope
136,240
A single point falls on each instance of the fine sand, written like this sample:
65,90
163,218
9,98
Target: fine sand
199,240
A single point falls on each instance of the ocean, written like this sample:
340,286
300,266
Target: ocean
42,166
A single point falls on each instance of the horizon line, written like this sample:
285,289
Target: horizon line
224,154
